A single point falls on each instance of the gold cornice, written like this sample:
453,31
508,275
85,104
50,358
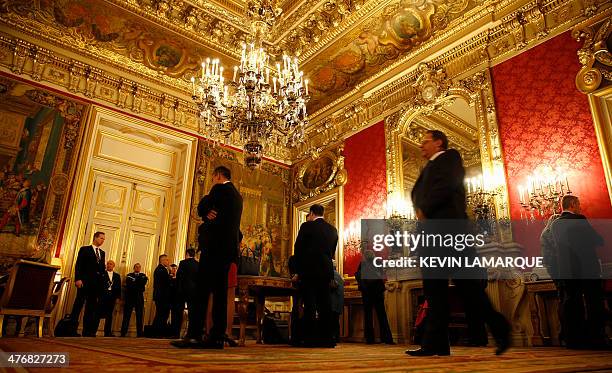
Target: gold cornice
486,48
95,84
170,19
336,31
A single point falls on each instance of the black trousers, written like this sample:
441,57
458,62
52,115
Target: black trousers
89,298
471,292
477,332
212,279
176,316
107,307
583,312
130,305
317,300
162,313
375,302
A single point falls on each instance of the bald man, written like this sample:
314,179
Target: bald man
111,291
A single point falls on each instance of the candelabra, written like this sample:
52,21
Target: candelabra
480,199
542,195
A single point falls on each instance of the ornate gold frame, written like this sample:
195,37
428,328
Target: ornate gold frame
336,194
478,92
337,178
600,102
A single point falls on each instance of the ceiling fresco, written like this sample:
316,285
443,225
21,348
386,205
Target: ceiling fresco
172,37
94,24
375,44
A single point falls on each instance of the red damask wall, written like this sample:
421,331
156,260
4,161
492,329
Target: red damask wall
545,120
365,193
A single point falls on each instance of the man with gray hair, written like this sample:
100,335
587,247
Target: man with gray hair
579,278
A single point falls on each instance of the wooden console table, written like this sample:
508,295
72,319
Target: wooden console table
259,288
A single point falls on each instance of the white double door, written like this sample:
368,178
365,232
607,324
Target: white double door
131,214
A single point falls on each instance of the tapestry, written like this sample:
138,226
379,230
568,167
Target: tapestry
266,206
545,122
365,193
39,132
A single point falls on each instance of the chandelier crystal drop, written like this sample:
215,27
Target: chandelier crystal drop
263,101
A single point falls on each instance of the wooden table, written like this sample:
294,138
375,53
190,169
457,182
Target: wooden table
259,288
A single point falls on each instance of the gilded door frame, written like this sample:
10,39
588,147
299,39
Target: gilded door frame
77,218
602,120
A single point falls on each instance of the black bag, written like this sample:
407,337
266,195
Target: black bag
274,330
248,265
67,327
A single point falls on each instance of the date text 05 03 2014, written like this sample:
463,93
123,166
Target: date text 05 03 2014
34,359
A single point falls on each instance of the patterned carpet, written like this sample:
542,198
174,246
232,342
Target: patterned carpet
155,355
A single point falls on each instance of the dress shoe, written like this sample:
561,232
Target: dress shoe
109,335
425,352
210,345
389,342
502,344
186,343
230,342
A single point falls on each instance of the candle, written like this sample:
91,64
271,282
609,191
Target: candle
274,80
203,69
235,72
567,184
306,82
193,85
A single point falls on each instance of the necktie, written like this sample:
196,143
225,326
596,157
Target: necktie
98,254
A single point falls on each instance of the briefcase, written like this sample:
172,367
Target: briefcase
67,327
248,264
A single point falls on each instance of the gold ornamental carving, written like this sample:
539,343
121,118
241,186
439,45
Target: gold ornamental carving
594,56
321,174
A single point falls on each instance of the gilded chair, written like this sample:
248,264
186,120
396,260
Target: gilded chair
28,291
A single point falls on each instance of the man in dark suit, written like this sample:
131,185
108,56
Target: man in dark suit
88,280
218,238
111,291
187,277
439,200
135,283
161,294
315,247
579,278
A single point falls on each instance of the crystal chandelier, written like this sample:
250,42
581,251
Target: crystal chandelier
261,103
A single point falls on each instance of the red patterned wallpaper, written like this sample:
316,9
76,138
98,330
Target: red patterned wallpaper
365,193
545,120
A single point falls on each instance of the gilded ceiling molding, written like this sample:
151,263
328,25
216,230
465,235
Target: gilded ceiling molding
516,29
34,62
211,28
594,56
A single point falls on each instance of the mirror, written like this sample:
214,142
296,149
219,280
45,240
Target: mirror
457,119
331,202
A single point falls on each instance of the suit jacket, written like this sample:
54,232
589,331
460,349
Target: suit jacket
439,190
219,239
161,285
576,243
315,246
114,284
186,276
88,269
135,286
